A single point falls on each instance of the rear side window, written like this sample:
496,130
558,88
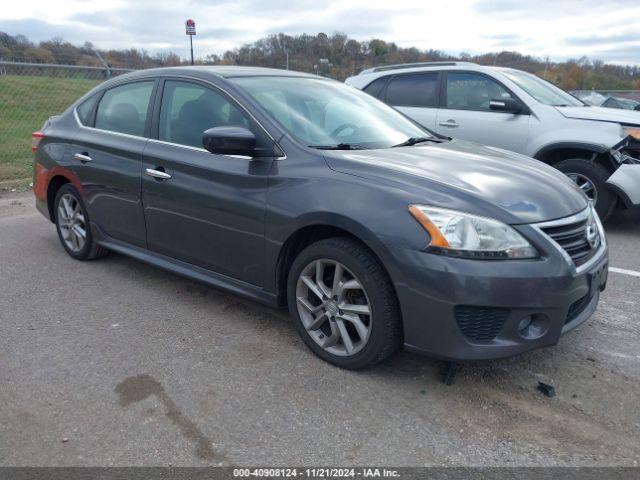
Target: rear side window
124,109
85,110
375,88
414,90
188,109
470,91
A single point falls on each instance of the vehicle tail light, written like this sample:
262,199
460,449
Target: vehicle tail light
36,138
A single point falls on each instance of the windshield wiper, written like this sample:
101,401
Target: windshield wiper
415,140
340,146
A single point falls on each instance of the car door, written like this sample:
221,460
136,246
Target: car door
107,158
466,113
202,208
415,94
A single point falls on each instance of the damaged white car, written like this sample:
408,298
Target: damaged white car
598,148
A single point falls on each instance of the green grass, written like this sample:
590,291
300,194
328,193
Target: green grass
25,103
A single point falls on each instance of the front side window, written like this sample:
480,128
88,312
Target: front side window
188,109
541,90
470,91
124,109
414,90
323,113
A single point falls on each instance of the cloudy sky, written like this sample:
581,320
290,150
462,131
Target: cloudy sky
605,29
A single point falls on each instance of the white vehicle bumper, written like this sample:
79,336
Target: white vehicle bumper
626,182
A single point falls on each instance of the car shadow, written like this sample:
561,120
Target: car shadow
624,221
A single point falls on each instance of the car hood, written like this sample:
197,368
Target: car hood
604,114
464,175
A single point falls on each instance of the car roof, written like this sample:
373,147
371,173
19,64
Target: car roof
367,76
224,71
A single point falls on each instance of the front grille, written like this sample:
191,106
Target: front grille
572,237
480,323
577,308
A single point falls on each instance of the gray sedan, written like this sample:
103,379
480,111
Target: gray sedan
305,193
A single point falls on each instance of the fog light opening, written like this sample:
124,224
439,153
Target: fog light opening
524,323
533,326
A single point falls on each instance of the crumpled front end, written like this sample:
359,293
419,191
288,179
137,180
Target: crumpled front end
625,181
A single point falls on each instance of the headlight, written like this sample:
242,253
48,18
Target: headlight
632,132
464,235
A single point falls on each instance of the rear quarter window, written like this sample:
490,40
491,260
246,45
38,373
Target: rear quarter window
376,88
85,110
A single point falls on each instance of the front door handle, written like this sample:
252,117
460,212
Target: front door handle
83,157
450,123
157,173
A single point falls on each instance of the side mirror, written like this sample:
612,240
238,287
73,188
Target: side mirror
507,105
230,141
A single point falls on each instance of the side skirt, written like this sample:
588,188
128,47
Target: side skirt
185,269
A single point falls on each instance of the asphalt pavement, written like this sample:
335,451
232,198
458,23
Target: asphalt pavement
113,362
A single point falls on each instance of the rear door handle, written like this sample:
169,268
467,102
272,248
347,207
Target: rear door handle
157,173
83,157
450,123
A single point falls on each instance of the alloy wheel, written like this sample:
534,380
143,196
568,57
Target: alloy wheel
334,307
72,223
585,184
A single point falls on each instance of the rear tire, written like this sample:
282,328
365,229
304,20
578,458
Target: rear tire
325,311
587,175
73,225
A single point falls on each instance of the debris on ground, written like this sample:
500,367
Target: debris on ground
449,372
546,389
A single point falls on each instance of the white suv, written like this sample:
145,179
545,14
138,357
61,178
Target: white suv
599,148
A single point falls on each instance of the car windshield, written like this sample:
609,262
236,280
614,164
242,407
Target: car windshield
327,114
541,90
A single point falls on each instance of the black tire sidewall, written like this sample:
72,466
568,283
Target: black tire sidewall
598,175
85,252
378,302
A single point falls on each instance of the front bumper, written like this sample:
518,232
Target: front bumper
433,290
625,181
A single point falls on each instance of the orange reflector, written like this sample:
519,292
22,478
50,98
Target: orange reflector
437,239
633,132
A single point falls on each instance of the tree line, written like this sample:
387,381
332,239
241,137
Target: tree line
337,56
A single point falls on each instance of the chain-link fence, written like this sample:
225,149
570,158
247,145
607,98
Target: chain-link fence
630,94
29,94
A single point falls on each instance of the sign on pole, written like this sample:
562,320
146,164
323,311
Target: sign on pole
190,29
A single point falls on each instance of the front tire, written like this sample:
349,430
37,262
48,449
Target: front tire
72,224
591,178
344,304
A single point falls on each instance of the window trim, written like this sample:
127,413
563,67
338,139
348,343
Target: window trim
445,79
154,133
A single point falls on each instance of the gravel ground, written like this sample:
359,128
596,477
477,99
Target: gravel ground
113,362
